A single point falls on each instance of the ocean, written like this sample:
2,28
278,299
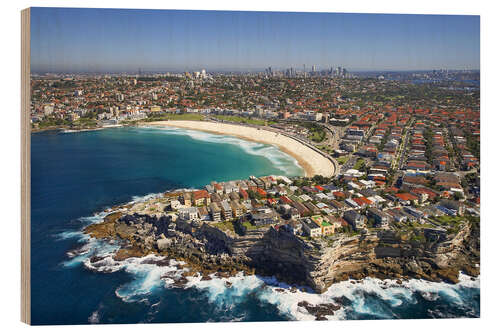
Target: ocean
76,176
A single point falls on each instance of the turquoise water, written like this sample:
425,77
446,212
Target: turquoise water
75,176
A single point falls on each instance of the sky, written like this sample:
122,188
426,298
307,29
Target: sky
117,40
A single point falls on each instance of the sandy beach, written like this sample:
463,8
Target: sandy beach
311,161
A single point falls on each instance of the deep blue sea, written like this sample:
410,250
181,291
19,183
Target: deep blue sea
76,176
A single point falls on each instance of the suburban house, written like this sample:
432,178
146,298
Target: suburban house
324,224
186,199
234,196
201,198
243,194
285,200
210,188
339,205
218,188
351,203
453,205
356,220
215,197
406,198
242,185
294,213
230,187
397,215
300,207
311,228
261,218
203,213
362,202
335,221
377,200
381,218
305,197
294,227
312,207
338,195
414,212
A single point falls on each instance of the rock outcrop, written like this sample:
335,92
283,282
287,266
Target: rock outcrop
314,262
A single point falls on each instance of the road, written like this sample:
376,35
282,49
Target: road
333,135
400,158
349,164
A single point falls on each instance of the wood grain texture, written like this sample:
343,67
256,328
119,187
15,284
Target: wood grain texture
25,168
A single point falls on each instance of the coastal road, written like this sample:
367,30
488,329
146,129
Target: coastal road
332,136
334,161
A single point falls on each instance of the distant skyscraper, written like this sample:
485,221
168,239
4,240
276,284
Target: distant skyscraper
269,71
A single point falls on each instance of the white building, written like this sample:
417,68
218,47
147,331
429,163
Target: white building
311,228
48,110
188,214
175,204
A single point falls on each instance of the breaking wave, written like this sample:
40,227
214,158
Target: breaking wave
286,163
370,298
94,317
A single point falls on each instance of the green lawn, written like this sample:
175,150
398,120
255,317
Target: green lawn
316,131
184,116
448,220
225,225
251,121
317,136
85,122
325,149
342,159
451,223
359,164
249,226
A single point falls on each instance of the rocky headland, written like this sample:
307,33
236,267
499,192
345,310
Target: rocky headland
318,263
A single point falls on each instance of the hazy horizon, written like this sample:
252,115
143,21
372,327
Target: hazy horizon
128,40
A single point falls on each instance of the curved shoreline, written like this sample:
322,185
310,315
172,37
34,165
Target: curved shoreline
311,161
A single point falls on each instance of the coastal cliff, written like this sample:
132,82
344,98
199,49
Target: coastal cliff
317,263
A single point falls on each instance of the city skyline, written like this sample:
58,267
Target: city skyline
118,40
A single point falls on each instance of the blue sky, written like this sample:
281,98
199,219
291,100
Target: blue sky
73,39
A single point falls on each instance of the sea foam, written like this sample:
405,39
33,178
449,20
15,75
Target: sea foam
370,297
224,293
282,161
